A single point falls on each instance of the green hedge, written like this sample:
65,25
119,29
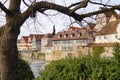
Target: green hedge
88,68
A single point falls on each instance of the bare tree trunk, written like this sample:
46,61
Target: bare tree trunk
8,53
8,42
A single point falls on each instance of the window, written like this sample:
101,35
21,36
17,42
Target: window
105,37
107,18
116,36
60,36
66,35
65,42
49,39
80,34
99,37
83,41
70,41
56,42
67,48
72,35
78,41
64,48
70,48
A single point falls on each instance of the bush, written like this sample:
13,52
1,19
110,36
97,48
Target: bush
116,53
89,68
41,56
24,71
85,68
98,50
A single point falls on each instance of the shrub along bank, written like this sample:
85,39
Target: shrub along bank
85,68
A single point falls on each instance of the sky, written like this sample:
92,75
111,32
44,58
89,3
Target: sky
43,24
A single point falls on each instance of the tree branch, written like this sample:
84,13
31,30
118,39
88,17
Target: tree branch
72,5
81,5
101,11
14,6
43,6
5,1
25,3
100,4
5,9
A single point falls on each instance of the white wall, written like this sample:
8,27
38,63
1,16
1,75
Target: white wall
109,38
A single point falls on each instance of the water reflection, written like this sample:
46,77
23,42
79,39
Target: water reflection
37,66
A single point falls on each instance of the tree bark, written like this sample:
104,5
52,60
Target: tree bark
8,42
8,54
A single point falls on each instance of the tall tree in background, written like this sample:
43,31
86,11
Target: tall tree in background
14,20
53,33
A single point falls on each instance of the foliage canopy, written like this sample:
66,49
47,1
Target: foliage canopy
85,68
24,71
98,50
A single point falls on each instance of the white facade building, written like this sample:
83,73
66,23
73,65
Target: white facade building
109,33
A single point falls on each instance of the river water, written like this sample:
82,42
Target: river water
37,66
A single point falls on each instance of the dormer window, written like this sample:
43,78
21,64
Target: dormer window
72,35
60,36
66,35
79,34
29,40
107,18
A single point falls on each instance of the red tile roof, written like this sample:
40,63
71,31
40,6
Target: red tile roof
91,25
37,36
72,34
118,16
110,28
109,13
25,38
48,35
75,28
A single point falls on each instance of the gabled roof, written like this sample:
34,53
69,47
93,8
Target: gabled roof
110,13
91,25
37,36
110,28
118,16
75,28
18,41
72,34
48,35
107,14
85,35
25,38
